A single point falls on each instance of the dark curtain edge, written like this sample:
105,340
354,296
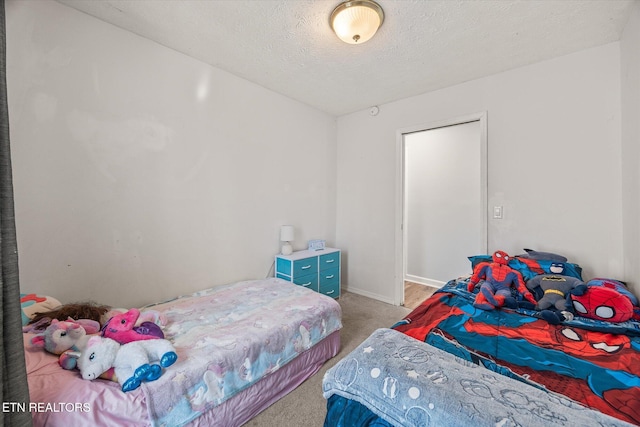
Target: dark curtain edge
15,390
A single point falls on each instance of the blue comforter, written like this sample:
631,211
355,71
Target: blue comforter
592,362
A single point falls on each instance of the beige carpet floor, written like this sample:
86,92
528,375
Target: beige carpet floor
305,406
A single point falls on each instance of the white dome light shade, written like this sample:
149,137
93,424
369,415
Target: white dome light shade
355,22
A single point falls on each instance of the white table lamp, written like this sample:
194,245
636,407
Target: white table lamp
287,235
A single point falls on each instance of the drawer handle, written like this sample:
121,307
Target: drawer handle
329,277
329,261
330,292
306,284
306,266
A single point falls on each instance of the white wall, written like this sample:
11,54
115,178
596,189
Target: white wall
141,173
630,90
554,161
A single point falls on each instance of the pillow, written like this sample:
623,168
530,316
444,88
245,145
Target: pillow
532,267
617,285
548,256
32,304
603,303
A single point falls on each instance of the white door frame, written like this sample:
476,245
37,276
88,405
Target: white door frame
400,240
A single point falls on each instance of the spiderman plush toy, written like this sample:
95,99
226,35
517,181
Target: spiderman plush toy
499,278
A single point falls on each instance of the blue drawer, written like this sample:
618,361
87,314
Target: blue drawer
329,276
331,260
309,281
305,266
283,266
283,276
332,290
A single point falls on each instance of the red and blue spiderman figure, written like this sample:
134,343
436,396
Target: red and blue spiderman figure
499,279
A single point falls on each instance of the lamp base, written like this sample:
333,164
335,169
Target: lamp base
286,249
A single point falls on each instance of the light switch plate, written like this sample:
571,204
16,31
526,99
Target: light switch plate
497,212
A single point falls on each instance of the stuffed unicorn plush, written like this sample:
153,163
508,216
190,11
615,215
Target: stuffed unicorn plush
122,327
133,362
61,336
68,338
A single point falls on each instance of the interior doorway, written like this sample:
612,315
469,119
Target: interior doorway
442,208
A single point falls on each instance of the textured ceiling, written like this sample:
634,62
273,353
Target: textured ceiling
287,45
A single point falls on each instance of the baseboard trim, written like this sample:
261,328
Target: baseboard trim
424,281
368,294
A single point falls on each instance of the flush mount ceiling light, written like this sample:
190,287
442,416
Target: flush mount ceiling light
356,21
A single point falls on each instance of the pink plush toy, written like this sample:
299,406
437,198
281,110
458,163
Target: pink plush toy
122,328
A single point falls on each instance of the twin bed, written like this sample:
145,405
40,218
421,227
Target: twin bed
240,348
450,363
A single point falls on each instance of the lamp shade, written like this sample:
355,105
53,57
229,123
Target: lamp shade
356,21
287,233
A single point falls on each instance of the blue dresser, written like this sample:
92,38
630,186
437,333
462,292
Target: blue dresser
316,270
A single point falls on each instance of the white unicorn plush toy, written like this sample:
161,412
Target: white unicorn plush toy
133,362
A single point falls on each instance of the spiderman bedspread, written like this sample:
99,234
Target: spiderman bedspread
592,362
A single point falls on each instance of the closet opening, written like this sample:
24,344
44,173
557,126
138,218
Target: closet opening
441,208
